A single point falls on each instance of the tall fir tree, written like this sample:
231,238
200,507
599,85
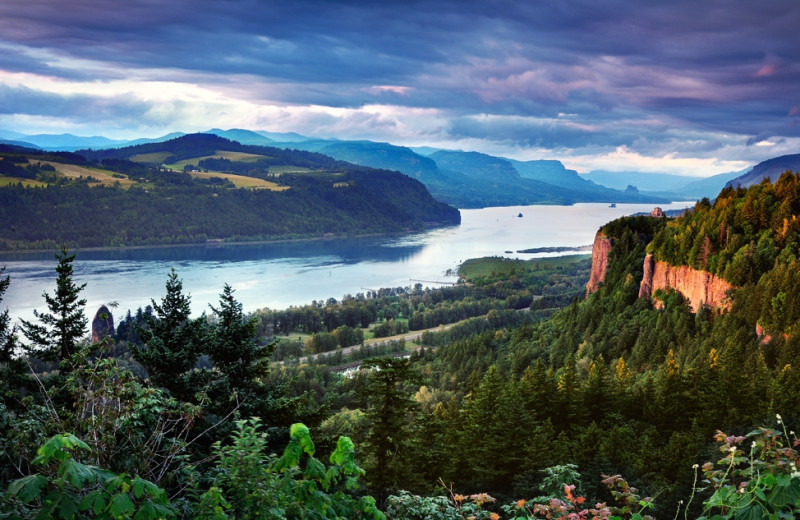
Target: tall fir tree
56,336
12,367
389,410
172,342
242,364
7,330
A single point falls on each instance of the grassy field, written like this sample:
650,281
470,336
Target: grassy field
278,170
232,156
109,178
241,181
104,177
6,181
498,265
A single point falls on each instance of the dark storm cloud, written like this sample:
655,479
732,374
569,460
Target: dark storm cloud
620,69
71,106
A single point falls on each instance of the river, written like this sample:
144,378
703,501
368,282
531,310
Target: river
279,275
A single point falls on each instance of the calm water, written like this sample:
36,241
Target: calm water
280,275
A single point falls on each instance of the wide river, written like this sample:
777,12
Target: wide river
278,275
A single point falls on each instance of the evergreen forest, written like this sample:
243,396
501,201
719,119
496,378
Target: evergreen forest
523,396
181,192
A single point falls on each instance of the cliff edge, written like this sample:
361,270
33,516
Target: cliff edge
699,287
600,248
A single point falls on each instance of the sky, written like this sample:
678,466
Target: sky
689,87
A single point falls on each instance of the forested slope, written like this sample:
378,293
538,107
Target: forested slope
514,414
313,195
617,386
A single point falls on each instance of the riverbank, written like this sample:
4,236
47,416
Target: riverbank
218,243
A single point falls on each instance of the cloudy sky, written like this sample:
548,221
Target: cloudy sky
692,87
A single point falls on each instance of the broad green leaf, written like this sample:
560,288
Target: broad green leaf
67,508
151,511
344,451
784,494
27,488
768,480
750,512
121,505
57,448
77,473
300,432
138,487
315,470
96,501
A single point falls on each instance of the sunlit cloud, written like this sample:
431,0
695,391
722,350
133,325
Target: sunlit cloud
690,88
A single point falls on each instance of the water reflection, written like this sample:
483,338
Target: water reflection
278,275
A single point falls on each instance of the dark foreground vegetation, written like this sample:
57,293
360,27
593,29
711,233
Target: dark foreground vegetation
609,407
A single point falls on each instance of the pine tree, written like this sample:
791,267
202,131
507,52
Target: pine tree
172,342
7,338
240,361
496,426
12,368
389,407
55,338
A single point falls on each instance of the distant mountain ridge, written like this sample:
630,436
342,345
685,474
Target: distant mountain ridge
463,178
473,179
770,169
671,186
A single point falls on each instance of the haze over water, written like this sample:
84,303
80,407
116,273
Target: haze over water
279,275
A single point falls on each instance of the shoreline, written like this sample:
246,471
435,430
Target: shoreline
215,243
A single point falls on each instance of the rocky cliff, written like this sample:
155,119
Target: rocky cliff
600,248
699,287
102,324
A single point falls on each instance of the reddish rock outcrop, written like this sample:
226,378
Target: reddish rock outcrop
102,324
699,287
600,249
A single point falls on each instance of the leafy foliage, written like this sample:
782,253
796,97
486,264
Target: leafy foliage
68,489
502,406
763,482
251,484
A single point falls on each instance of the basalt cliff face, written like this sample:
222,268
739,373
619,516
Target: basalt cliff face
102,324
699,287
600,248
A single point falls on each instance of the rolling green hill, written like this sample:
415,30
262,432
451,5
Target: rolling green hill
202,187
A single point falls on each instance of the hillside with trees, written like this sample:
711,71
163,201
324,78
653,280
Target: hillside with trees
147,199
603,406
476,180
